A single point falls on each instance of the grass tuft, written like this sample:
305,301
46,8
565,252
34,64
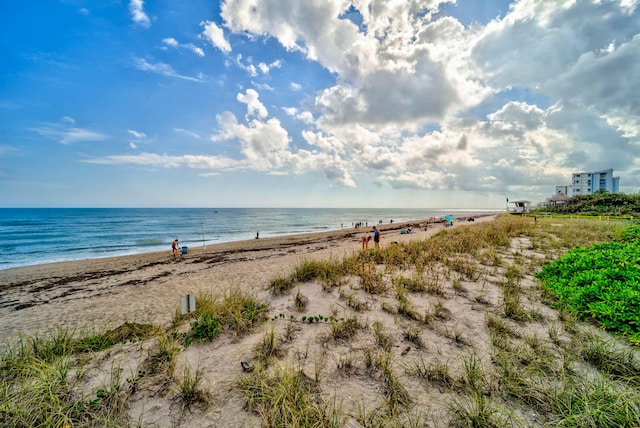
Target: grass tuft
287,397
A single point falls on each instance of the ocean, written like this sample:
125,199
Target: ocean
43,235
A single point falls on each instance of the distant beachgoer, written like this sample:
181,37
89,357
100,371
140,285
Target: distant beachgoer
257,235
174,247
365,240
376,237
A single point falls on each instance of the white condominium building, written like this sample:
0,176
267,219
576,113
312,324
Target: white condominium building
584,183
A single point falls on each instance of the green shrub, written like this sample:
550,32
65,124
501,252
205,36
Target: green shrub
601,283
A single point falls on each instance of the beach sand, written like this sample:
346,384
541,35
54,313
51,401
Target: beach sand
147,288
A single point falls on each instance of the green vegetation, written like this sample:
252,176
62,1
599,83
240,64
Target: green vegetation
40,378
599,203
393,350
545,375
601,283
326,271
236,311
288,398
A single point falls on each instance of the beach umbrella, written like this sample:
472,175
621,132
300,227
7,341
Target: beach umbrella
450,218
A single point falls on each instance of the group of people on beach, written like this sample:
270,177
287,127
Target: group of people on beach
366,237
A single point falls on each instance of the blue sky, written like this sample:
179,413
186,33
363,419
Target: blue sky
317,103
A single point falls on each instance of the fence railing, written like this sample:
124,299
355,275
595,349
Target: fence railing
581,216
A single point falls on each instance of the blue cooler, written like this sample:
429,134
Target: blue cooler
184,250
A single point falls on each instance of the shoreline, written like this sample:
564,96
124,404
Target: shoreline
75,236
147,287
242,243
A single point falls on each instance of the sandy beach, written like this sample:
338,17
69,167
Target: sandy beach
412,352
147,288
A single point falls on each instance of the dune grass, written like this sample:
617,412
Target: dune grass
235,311
540,370
40,377
287,397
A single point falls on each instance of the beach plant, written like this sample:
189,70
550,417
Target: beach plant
380,417
457,286
511,293
407,310
328,272
165,356
371,280
395,392
414,284
474,376
400,291
554,333
346,363
190,387
434,372
612,358
290,330
352,300
287,397
413,335
383,340
235,311
512,304
281,284
454,333
64,341
480,411
600,283
345,329
39,384
438,310
435,286
369,355
300,301
481,297
269,347
305,319
599,204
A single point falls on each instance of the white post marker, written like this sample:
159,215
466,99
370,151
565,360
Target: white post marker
188,304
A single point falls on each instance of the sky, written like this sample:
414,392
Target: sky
315,103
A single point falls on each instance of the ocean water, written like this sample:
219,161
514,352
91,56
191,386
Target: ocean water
44,235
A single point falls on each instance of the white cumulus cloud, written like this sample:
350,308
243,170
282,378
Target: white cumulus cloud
139,17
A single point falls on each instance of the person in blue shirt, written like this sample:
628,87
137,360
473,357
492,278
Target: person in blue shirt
376,237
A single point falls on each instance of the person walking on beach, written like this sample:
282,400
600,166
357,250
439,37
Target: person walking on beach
174,247
376,236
